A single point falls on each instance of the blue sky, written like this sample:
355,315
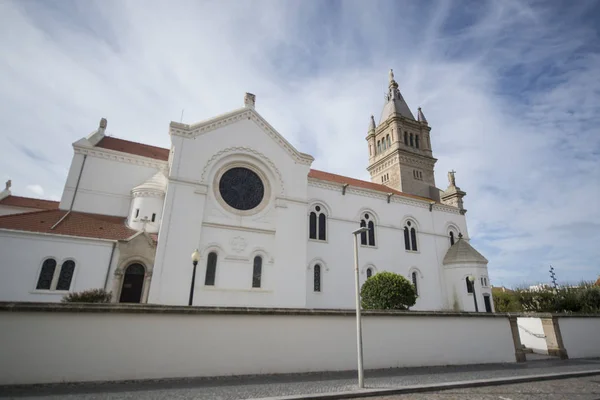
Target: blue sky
510,88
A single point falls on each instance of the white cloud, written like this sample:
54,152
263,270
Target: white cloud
511,91
36,189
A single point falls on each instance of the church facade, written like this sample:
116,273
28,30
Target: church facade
270,231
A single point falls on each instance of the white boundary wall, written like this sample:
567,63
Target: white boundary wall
580,336
532,334
41,347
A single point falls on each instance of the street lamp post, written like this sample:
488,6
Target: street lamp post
195,259
361,378
472,280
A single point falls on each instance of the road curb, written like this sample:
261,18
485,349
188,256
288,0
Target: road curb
436,386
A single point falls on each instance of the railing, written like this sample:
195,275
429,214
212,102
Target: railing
537,335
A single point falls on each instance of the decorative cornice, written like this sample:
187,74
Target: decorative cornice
147,193
238,228
122,157
190,131
243,150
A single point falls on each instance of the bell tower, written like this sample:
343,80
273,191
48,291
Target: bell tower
400,153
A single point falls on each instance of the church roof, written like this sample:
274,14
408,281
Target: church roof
462,252
140,149
163,154
158,183
397,106
326,176
75,224
29,202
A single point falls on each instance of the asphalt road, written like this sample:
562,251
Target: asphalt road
562,389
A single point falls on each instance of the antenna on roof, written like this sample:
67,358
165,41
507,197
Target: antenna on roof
181,119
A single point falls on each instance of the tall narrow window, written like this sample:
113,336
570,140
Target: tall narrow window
367,238
317,223
211,269
417,141
153,217
415,283
137,212
378,146
317,278
410,236
363,235
370,151
46,274
257,272
451,238
413,239
469,285
406,138
66,275
312,225
389,143
369,272
412,142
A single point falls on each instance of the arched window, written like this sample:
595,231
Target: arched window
410,236
389,143
369,272
46,274
66,275
370,151
378,146
317,278
257,272
317,223
469,285
367,238
417,141
406,138
211,269
412,143
414,282
451,238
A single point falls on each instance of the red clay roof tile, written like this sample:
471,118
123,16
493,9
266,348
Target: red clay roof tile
75,224
29,202
125,146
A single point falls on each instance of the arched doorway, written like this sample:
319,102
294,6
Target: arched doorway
133,282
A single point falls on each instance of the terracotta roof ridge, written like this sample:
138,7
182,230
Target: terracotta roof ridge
31,198
29,213
133,142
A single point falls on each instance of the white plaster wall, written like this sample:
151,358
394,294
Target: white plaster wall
457,286
105,185
147,205
337,257
194,218
23,255
581,336
529,328
115,346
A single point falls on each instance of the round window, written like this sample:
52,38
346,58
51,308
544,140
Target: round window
241,188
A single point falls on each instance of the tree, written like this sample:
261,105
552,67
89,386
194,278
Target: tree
506,302
88,296
387,291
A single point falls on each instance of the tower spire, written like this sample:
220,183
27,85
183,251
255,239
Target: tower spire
372,125
421,117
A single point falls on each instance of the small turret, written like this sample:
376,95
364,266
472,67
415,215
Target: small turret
421,117
372,125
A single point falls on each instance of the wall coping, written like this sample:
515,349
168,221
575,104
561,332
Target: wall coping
167,309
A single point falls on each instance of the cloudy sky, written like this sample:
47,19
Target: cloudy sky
510,88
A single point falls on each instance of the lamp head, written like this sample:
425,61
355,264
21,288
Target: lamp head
471,278
360,230
196,256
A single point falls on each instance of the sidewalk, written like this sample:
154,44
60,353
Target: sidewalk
277,386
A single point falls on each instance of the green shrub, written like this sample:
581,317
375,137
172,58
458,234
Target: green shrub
88,296
506,302
590,299
387,291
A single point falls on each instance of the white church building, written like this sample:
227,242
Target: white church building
270,231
